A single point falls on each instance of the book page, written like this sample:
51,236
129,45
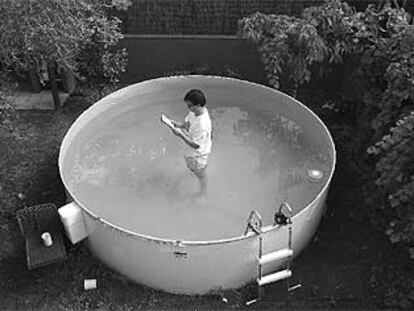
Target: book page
166,121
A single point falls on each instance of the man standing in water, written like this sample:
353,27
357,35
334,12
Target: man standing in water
195,131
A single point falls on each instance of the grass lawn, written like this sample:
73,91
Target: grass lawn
335,271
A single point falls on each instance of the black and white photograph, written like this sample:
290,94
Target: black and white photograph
206,155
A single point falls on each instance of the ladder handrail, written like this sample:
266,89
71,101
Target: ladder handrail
252,226
286,204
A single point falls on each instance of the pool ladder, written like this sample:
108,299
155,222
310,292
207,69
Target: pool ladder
255,224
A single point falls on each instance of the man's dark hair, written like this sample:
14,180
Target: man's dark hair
196,97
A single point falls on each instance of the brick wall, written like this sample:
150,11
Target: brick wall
211,16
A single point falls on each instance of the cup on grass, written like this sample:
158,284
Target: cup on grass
47,239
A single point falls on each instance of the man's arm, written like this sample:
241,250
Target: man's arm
181,125
185,138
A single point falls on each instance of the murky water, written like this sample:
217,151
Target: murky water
132,173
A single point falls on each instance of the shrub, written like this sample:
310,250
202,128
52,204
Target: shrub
285,44
75,35
7,111
374,51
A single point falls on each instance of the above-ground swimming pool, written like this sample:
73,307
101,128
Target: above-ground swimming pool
126,171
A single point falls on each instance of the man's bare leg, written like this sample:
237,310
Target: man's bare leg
203,181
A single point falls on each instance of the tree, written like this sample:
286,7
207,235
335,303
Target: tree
61,34
374,52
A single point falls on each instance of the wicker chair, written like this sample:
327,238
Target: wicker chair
33,221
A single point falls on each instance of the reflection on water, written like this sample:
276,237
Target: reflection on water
135,176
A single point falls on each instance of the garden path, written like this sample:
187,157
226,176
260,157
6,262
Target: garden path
26,100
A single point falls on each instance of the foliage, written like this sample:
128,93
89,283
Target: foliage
371,54
284,43
392,102
100,58
198,16
323,35
208,16
391,63
395,179
37,32
7,111
121,5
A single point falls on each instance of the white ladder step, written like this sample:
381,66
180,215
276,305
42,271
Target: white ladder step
280,275
274,256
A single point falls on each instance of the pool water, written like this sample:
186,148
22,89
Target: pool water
131,172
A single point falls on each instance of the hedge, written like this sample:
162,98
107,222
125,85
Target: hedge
211,16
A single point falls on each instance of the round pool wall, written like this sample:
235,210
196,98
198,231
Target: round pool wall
198,267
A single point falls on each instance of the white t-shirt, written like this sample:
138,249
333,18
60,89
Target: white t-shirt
199,132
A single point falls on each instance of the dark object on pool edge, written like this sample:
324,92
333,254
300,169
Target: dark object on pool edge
280,219
35,220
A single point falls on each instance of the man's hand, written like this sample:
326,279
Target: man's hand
181,125
176,131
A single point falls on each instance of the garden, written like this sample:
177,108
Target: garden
352,65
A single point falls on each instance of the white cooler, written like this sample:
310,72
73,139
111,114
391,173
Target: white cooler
71,216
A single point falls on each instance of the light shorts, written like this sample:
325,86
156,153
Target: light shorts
197,163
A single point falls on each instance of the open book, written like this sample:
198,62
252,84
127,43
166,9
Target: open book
167,121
